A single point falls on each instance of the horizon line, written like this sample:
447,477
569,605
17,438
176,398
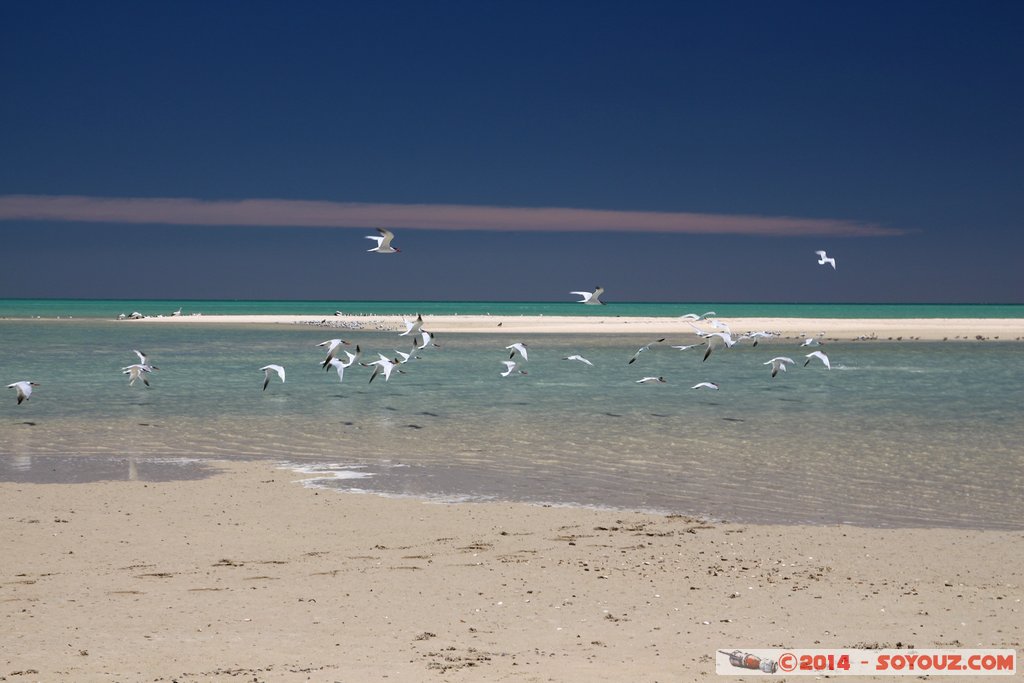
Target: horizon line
448,217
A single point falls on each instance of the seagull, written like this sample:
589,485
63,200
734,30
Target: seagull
820,356
694,317
427,341
412,326
591,297
176,313
696,330
644,348
332,349
824,258
651,380
705,385
406,357
578,357
383,242
384,366
719,325
24,390
339,366
716,340
779,363
685,347
810,341
267,369
134,372
511,367
519,347
142,357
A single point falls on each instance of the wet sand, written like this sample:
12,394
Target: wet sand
925,329
247,575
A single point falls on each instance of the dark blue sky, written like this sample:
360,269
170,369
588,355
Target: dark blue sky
901,115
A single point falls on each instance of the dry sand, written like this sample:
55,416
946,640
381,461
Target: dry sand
249,576
930,329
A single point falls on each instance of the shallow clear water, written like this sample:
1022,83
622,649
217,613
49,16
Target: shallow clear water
896,434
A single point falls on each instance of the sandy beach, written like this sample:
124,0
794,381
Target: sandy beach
248,575
923,329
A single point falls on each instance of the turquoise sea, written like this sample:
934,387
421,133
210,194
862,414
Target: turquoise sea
896,434
104,308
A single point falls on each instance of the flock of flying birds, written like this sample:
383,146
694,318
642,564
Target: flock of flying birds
422,339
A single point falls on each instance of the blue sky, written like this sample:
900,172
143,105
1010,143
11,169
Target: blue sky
890,132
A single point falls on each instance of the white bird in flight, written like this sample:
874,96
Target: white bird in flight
383,242
810,341
578,357
427,341
412,326
135,372
332,349
24,389
591,297
719,325
779,363
340,366
717,340
820,356
651,380
694,317
267,369
643,348
518,347
705,385
824,258
685,347
406,357
385,366
512,367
